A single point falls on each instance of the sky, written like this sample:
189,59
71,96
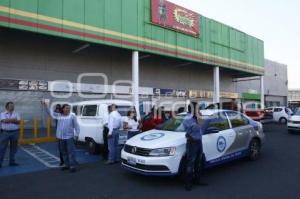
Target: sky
276,22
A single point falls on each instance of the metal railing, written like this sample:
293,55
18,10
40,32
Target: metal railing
36,135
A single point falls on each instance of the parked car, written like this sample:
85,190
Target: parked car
92,117
154,118
278,114
228,135
294,122
253,110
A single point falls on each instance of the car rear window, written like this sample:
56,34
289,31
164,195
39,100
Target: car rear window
237,119
277,110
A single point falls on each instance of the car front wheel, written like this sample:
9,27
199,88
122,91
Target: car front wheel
283,120
254,149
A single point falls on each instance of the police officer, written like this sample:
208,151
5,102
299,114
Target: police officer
193,146
10,121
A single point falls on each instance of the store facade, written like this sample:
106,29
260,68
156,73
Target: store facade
76,50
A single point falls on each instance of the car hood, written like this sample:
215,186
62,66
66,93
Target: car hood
295,118
154,139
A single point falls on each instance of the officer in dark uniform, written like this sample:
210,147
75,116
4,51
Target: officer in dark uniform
193,146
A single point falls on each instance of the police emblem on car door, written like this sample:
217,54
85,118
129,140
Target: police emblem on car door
218,137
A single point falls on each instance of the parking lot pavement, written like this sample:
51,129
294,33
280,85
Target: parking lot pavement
39,157
275,175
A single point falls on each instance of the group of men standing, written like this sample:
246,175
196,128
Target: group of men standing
67,124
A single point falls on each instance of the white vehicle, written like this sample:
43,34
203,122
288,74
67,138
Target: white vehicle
228,135
294,122
279,114
92,117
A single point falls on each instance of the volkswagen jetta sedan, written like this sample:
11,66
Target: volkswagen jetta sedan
227,135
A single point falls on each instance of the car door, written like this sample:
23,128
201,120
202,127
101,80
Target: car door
242,130
216,143
277,114
90,123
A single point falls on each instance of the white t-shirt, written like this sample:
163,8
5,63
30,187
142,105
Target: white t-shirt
132,124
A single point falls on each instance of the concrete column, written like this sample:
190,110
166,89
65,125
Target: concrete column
135,81
216,98
262,92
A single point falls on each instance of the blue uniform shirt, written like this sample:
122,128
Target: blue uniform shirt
192,128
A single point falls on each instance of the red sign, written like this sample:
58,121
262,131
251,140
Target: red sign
170,15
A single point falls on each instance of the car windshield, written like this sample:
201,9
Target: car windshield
297,112
173,124
176,123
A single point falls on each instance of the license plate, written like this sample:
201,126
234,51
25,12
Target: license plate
131,161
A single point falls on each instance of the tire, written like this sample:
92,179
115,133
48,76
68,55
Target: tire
92,146
283,120
254,148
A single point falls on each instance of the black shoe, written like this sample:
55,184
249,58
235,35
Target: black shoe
65,168
13,164
200,183
61,164
73,170
109,162
188,187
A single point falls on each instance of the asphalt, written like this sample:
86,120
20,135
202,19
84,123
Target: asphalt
275,175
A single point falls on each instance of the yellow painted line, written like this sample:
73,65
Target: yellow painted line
114,33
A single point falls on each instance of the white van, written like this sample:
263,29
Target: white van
92,117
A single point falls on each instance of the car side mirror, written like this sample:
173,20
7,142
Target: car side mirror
212,130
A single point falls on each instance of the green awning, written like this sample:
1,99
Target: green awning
251,96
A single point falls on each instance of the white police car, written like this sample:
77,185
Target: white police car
228,135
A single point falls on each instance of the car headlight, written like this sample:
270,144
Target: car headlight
170,151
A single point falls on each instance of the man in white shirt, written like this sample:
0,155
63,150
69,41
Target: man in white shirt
10,121
114,124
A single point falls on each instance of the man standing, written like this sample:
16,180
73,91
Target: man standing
193,146
66,123
10,121
105,136
58,110
114,124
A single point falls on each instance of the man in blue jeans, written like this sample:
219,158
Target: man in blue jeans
66,123
10,121
114,124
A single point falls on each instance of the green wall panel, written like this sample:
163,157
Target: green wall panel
53,8
127,24
4,14
94,13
